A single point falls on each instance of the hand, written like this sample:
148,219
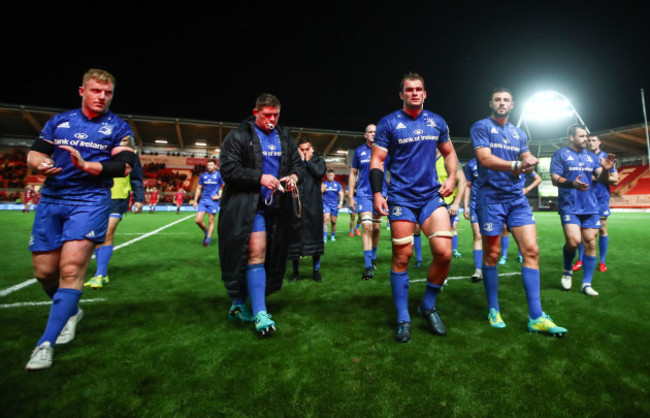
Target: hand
137,207
447,187
466,214
75,156
352,204
453,209
46,167
269,181
577,184
289,183
609,162
528,164
381,207
195,204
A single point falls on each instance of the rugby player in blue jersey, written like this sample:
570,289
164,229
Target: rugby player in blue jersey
332,202
469,212
572,169
261,167
408,139
502,155
361,202
79,151
120,192
602,196
206,199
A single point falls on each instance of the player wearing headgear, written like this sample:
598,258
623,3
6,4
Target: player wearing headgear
332,202
572,169
469,212
602,196
502,155
79,151
410,137
360,200
206,199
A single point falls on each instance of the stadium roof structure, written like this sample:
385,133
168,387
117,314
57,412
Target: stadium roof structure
20,125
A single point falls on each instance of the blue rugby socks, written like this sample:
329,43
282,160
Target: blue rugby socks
417,247
588,267
491,284
603,243
256,283
430,295
399,283
478,258
367,258
568,256
103,255
530,279
505,243
64,304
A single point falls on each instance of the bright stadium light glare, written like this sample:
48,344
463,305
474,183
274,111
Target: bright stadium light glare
547,106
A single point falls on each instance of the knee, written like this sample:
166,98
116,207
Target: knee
400,262
491,257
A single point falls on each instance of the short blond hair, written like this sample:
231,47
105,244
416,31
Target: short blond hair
98,75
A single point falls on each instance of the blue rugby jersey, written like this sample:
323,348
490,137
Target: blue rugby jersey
331,193
411,145
361,162
94,139
211,184
506,142
523,177
471,174
602,190
569,164
271,155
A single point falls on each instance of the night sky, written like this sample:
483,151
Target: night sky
333,65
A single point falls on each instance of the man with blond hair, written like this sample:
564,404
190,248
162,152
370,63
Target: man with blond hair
80,152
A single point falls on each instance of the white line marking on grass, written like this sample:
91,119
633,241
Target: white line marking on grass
23,304
19,286
465,277
151,233
26,283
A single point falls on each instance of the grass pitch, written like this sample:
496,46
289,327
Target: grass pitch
156,342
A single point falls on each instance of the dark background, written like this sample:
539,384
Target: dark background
333,65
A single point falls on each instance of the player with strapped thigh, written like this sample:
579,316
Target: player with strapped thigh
79,151
206,199
502,155
602,196
261,167
453,203
410,137
332,193
120,193
572,169
469,212
361,202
